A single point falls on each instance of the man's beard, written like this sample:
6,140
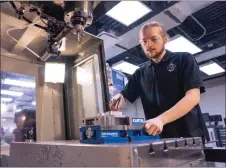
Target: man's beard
154,55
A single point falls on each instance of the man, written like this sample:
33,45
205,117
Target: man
169,87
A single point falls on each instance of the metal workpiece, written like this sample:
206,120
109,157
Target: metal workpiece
123,127
108,119
112,119
136,154
114,113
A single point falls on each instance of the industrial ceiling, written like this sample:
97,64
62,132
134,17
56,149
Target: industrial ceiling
201,22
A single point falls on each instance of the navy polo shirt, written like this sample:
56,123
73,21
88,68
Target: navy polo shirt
161,85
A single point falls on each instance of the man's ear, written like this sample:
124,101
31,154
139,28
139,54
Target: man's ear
165,39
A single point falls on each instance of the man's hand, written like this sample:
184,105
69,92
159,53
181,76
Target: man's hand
117,102
154,126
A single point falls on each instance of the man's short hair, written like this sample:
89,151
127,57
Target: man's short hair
154,24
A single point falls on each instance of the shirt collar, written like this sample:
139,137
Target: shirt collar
166,58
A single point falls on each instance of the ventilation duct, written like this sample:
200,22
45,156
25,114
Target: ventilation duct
109,39
181,10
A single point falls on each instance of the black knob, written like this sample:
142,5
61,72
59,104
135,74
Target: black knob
129,139
127,121
151,150
185,143
194,141
176,144
165,149
128,136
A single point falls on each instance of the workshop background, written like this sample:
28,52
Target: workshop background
203,23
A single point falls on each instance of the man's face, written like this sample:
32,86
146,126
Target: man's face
152,42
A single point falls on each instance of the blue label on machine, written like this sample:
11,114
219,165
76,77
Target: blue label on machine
110,134
137,121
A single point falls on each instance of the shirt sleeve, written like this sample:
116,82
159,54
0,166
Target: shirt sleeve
191,74
130,91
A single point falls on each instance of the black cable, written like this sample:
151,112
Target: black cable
27,20
44,22
14,6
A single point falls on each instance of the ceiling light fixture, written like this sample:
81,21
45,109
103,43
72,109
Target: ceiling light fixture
181,44
19,83
127,12
211,68
18,110
11,93
33,103
125,67
3,108
6,99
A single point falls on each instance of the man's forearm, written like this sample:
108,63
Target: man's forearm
186,104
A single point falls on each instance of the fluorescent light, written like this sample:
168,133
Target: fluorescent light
18,110
33,103
11,93
211,69
19,83
125,67
182,44
6,99
128,12
3,108
54,72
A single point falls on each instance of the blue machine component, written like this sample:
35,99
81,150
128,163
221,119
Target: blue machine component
94,134
137,121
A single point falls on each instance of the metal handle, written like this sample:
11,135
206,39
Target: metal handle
116,103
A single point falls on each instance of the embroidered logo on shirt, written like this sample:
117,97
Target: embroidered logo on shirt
171,67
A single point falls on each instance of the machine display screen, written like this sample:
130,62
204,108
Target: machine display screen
215,118
118,81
